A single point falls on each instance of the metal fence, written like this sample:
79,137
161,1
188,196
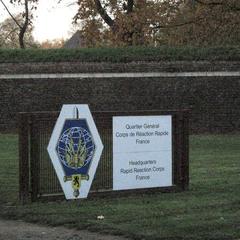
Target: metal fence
37,178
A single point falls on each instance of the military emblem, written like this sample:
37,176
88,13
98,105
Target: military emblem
75,149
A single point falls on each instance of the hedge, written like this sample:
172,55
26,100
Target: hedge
116,55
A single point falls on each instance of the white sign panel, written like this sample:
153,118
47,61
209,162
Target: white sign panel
75,149
142,152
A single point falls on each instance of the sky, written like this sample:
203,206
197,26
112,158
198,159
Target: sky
51,20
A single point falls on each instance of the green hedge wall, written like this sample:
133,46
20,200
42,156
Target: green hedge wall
120,55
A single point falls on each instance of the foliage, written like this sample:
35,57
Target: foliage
205,23
127,54
209,210
56,43
149,22
157,22
125,22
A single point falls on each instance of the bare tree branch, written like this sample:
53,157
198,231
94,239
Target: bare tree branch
14,19
10,33
177,25
209,3
231,7
107,19
130,4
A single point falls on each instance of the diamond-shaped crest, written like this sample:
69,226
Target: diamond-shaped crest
75,149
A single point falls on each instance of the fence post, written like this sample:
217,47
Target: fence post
23,157
34,158
181,144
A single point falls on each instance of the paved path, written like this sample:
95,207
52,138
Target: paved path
18,230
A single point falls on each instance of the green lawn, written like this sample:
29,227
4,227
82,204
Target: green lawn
209,210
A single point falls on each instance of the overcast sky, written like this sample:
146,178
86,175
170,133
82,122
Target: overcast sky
52,20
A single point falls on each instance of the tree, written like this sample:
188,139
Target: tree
9,34
126,22
25,21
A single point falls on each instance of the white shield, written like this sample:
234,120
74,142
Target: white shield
75,151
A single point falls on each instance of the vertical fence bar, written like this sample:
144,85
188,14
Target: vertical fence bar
23,129
185,158
179,149
34,158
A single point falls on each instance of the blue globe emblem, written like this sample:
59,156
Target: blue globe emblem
75,148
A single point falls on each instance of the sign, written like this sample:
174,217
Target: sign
142,152
75,149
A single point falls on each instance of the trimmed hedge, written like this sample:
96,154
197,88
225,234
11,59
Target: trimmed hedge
128,54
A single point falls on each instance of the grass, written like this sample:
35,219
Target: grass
115,55
209,210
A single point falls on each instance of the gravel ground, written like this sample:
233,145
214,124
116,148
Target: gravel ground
19,230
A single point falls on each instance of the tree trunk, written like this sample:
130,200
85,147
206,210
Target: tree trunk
23,29
21,39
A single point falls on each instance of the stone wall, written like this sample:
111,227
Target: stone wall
212,93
